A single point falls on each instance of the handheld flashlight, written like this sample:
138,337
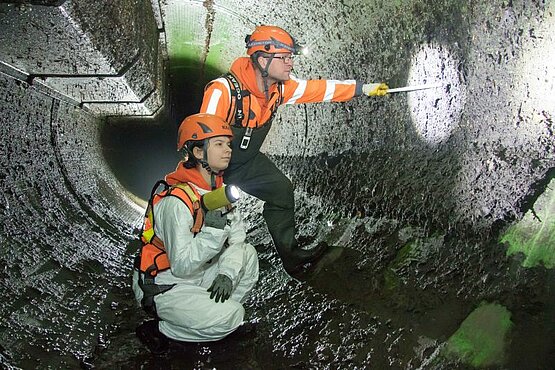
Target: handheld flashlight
220,197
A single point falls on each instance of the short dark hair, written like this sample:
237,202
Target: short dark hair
257,54
191,161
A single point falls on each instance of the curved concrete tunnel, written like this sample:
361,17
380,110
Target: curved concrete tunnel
442,199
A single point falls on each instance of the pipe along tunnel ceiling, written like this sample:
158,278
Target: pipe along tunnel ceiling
442,199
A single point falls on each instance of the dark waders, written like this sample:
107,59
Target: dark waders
257,175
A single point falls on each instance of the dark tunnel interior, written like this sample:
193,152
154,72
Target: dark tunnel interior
438,203
139,153
148,153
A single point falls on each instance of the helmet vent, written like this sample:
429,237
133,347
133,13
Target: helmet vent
204,128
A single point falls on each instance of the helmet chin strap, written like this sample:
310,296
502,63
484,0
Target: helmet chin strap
204,163
213,174
264,73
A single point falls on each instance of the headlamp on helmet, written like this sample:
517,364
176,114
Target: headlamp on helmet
272,40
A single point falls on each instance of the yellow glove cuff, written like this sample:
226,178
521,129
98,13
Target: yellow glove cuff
375,89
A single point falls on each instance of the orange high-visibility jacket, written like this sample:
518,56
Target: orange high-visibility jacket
218,97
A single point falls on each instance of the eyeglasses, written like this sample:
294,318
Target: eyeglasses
284,59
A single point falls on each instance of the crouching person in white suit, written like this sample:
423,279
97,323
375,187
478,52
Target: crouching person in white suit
194,268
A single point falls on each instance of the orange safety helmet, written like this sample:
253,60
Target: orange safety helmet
201,126
271,39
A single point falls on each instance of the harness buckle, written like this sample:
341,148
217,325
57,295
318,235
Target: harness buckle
246,138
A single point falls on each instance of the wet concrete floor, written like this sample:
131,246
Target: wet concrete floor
390,299
350,313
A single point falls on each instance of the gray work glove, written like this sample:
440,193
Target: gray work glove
215,219
220,289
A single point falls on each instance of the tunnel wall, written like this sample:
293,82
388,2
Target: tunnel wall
63,219
103,55
496,114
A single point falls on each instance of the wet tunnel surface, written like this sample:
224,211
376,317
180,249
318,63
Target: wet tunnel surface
416,191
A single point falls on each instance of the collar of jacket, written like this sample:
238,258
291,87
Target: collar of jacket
244,70
193,175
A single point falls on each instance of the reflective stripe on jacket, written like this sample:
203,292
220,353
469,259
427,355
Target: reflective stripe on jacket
218,98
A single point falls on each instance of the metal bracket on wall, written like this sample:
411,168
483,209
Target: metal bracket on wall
30,81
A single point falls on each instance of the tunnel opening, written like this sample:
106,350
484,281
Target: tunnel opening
140,151
149,150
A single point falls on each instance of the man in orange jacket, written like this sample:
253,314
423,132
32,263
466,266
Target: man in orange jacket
247,98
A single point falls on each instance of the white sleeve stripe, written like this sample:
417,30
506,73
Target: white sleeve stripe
331,85
224,82
299,91
216,95
213,102
330,90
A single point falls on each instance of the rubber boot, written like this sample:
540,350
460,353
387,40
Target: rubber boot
149,334
295,259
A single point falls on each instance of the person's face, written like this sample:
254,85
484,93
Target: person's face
280,67
218,153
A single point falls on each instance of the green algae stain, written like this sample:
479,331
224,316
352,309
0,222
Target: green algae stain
391,279
481,339
534,235
192,47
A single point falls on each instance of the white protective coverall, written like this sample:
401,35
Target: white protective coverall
186,311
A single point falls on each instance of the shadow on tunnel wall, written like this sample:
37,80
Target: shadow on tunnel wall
187,78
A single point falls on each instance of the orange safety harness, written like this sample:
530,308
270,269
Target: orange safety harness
236,110
152,257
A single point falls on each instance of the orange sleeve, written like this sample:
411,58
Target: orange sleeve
217,99
312,91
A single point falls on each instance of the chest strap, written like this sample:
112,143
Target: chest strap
238,94
239,114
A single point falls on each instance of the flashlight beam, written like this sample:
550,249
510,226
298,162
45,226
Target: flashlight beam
414,88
